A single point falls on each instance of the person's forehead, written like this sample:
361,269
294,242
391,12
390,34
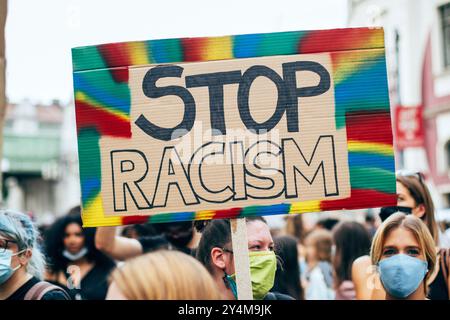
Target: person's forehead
73,226
401,188
258,231
401,237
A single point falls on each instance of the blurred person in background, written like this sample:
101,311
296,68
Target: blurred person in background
327,223
351,240
295,227
413,193
136,231
74,261
370,223
413,197
21,262
162,275
215,252
318,279
404,252
287,276
447,229
172,236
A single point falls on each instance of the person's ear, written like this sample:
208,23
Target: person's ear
25,257
419,211
218,258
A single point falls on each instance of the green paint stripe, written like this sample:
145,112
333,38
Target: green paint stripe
279,43
84,58
89,153
372,178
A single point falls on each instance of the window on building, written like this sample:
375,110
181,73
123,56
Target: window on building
447,154
445,18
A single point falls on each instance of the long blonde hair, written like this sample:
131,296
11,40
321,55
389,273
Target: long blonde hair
413,224
165,275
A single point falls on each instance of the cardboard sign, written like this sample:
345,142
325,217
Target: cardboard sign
227,127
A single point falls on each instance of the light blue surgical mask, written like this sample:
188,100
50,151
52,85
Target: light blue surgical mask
6,271
75,256
402,274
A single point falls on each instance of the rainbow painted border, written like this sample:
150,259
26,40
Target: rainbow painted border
102,102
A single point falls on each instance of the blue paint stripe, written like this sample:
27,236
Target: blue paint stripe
159,52
362,159
365,89
282,208
246,46
89,188
96,93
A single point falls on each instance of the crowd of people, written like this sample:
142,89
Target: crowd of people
403,254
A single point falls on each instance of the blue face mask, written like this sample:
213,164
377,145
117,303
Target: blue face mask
5,265
401,274
77,256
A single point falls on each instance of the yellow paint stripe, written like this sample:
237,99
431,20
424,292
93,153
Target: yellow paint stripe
218,48
305,206
380,148
348,63
82,97
204,215
138,53
93,215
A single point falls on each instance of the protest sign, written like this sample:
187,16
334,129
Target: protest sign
234,126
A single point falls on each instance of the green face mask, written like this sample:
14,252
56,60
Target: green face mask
263,265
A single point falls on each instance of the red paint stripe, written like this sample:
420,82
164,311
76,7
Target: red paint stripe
227,213
105,122
361,199
115,54
120,75
135,219
369,127
193,48
334,40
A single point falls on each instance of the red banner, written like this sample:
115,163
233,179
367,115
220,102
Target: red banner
408,127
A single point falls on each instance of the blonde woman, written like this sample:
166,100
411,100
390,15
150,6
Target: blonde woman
162,275
412,193
404,252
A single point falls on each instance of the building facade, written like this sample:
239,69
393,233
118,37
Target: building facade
40,164
417,38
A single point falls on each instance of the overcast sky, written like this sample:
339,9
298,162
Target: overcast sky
40,34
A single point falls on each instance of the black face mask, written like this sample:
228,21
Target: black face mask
386,212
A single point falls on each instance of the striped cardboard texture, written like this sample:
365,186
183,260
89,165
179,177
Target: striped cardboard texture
102,101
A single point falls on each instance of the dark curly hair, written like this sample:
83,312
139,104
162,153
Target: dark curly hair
54,243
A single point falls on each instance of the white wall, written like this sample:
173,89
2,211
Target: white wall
67,190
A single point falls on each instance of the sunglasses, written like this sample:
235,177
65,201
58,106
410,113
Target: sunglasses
406,173
386,212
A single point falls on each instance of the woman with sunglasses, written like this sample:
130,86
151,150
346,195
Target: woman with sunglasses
413,197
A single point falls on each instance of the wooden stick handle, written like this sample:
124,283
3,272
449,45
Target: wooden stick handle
241,260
